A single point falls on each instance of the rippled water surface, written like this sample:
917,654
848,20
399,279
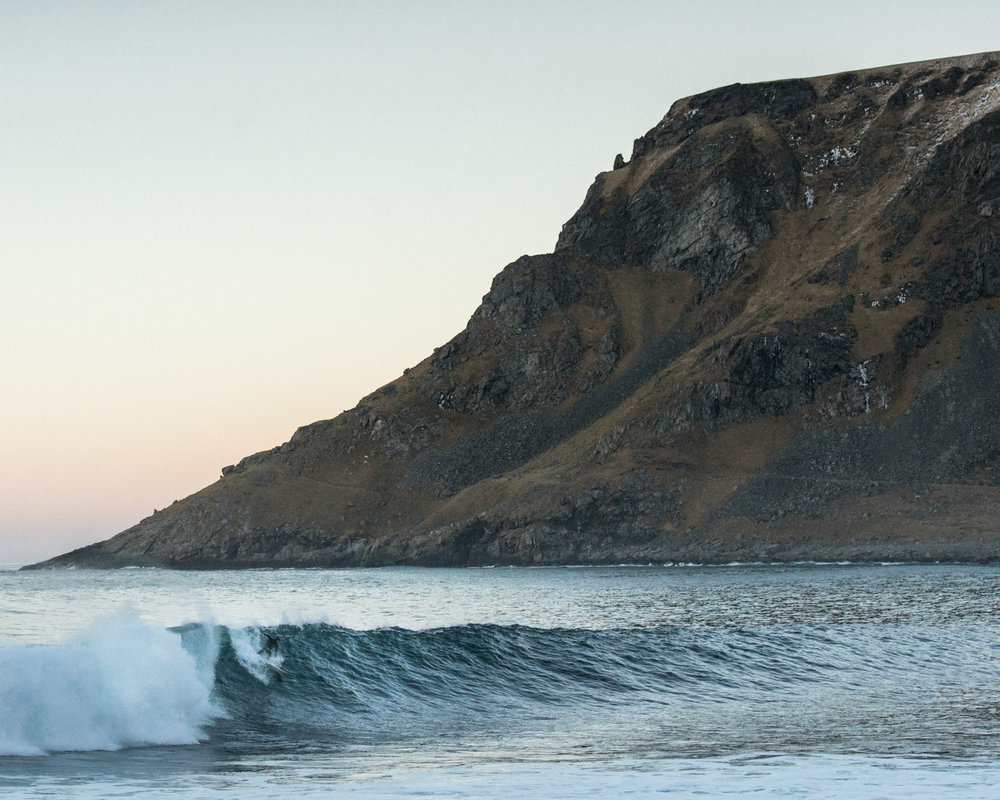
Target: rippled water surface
796,680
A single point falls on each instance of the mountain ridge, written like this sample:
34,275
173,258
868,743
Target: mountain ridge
771,334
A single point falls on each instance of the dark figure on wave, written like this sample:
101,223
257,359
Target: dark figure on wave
270,647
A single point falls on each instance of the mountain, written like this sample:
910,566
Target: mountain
771,334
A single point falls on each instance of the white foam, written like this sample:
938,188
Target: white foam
246,644
123,683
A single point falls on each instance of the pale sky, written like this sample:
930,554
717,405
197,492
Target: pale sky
221,221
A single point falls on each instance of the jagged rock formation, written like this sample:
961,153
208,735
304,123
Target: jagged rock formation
772,333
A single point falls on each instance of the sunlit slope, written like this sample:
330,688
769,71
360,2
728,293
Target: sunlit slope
771,333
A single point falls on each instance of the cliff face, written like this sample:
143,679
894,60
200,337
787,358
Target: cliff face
772,333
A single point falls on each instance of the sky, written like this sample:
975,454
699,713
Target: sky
222,220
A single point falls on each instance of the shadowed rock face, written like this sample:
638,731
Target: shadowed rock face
772,334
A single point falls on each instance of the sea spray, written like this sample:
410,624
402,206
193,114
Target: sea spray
246,644
122,683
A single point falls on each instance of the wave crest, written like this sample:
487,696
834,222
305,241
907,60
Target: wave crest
123,683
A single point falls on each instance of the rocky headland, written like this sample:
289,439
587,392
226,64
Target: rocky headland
771,333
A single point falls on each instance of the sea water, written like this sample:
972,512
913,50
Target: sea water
681,681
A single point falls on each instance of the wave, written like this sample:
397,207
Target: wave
121,684
346,684
126,683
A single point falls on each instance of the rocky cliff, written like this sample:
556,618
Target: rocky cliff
771,334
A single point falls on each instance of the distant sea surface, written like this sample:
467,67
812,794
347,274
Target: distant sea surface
683,681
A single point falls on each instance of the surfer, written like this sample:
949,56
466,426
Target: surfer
270,647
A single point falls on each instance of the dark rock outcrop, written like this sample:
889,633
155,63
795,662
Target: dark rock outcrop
772,333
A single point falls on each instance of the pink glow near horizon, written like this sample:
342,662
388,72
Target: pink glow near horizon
225,221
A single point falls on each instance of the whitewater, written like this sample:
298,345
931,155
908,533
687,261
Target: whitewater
832,680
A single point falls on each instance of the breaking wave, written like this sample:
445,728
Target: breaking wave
126,683
121,684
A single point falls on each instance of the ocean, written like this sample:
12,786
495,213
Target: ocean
807,680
